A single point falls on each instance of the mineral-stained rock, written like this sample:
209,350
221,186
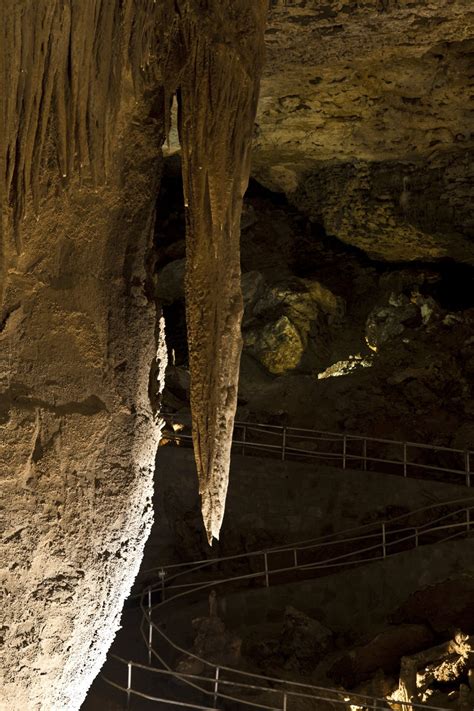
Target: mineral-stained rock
278,345
280,317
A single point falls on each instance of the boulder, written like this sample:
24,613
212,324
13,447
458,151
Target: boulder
280,319
386,323
278,345
332,305
253,285
382,652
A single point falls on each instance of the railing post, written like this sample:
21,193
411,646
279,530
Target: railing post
404,459
416,537
150,628
344,451
285,701
384,541
244,439
467,465
468,520
162,575
283,445
295,557
364,451
216,687
265,557
129,683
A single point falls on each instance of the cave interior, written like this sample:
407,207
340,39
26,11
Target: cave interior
237,354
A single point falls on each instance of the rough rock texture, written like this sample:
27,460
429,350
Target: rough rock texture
218,101
419,317
384,651
79,332
364,121
282,319
78,337
78,436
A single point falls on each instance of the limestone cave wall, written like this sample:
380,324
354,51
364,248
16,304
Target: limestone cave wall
78,435
365,122
85,93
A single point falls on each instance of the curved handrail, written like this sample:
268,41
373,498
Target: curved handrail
326,565
285,449
324,540
347,697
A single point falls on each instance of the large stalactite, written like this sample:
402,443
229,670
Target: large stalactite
79,170
218,101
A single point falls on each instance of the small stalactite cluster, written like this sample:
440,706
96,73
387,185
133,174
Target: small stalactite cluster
62,64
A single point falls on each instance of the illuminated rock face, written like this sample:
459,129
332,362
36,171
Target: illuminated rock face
78,335
77,433
362,122
218,99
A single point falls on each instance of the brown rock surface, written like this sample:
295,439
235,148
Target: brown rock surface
364,121
78,329
78,435
382,652
218,101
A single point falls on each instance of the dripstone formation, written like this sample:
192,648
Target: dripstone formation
85,93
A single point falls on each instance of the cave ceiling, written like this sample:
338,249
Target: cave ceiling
366,121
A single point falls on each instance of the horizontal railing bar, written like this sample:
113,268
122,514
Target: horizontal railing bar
389,540
359,698
317,454
316,541
336,561
148,697
289,430
228,682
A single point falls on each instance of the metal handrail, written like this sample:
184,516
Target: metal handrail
321,540
329,564
286,449
225,682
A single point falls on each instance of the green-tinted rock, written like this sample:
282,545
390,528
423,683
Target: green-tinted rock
278,346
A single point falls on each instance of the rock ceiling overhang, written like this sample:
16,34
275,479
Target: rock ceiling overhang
366,121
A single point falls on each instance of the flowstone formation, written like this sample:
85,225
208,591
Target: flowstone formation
81,344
